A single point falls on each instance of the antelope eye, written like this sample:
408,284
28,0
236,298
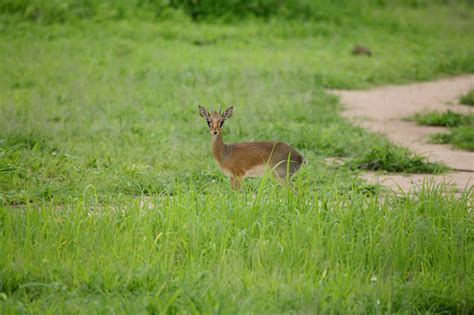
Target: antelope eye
222,122
209,123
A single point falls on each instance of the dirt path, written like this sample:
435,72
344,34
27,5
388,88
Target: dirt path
382,110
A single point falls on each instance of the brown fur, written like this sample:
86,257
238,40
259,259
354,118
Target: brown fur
238,160
361,50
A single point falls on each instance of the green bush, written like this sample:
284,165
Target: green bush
320,10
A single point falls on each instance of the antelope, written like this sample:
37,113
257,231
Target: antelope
248,159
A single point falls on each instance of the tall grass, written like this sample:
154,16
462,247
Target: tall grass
278,250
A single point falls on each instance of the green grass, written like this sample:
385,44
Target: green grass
221,252
461,137
468,99
461,127
395,159
444,119
110,200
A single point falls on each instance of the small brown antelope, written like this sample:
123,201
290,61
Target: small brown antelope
248,159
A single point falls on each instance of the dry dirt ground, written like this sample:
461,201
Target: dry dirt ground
383,110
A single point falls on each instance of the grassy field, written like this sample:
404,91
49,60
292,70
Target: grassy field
110,200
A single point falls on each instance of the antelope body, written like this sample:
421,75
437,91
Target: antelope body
249,159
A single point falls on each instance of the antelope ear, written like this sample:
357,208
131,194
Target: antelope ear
203,112
228,112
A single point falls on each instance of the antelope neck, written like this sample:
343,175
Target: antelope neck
218,147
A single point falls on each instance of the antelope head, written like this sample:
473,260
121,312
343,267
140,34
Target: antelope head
214,119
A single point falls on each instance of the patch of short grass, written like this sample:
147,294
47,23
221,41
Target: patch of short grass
461,137
468,99
461,127
444,119
395,159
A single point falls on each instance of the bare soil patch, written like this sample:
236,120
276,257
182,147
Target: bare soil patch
383,110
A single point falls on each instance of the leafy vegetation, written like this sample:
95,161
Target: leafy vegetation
461,132
111,202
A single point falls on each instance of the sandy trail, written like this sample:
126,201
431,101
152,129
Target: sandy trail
383,109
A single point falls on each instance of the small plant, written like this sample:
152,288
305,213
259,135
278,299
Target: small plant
396,159
468,99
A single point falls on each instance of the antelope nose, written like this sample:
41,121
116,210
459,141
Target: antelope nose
214,132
